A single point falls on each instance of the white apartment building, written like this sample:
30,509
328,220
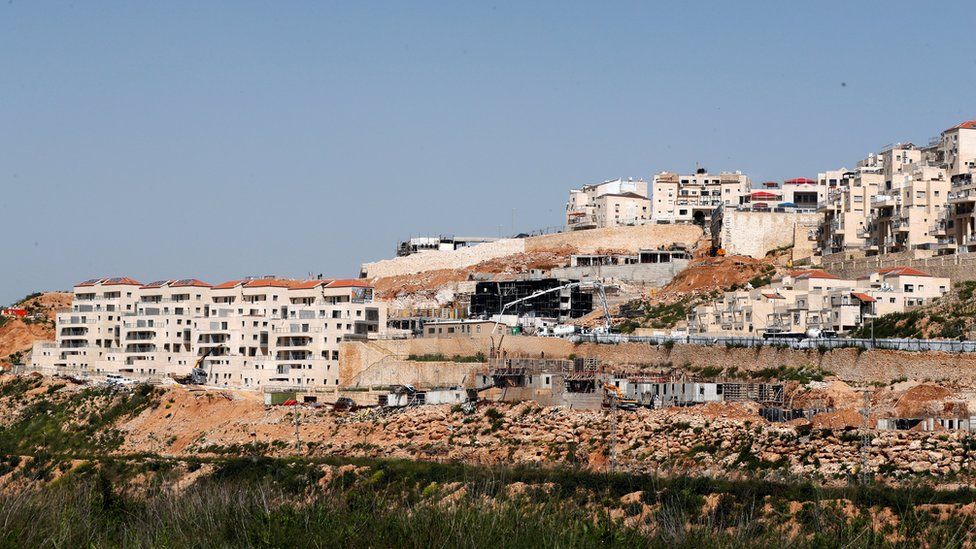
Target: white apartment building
692,198
609,204
847,209
906,210
252,332
956,149
920,198
815,300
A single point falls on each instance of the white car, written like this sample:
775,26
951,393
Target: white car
116,379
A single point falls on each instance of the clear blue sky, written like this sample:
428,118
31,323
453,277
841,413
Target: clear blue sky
212,140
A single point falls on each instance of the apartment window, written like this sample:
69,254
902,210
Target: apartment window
909,288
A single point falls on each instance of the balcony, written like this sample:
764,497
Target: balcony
74,320
298,329
882,200
960,197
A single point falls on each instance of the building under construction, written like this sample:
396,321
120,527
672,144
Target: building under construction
563,304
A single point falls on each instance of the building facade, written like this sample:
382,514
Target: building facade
693,198
609,204
814,301
245,333
913,199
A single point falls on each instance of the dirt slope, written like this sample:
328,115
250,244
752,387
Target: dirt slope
18,335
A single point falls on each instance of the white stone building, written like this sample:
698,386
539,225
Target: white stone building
814,300
693,198
254,332
609,204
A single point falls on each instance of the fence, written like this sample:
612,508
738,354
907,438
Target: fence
820,343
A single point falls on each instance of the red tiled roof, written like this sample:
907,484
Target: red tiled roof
350,283
309,284
800,181
967,125
270,283
156,284
764,194
902,271
120,281
772,296
187,282
863,297
228,285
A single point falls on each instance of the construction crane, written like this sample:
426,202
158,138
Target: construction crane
607,321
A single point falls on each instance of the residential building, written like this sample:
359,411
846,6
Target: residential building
846,210
814,300
921,198
907,207
693,198
460,328
956,149
244,333
608,204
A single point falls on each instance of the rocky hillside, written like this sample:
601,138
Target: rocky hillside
106,466
18,335
715,440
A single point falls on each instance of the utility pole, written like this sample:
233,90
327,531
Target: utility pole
612,454
298,439
865,437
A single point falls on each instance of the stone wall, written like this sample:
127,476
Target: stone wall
443,259
956,267
848,364
657,274
754,234
629,239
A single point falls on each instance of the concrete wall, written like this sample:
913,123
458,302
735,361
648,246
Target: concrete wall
657,274
754,234
955,267
369,364
848,364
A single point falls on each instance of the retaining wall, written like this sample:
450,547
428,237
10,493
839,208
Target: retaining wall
754,234
851,365
657,274
956,267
